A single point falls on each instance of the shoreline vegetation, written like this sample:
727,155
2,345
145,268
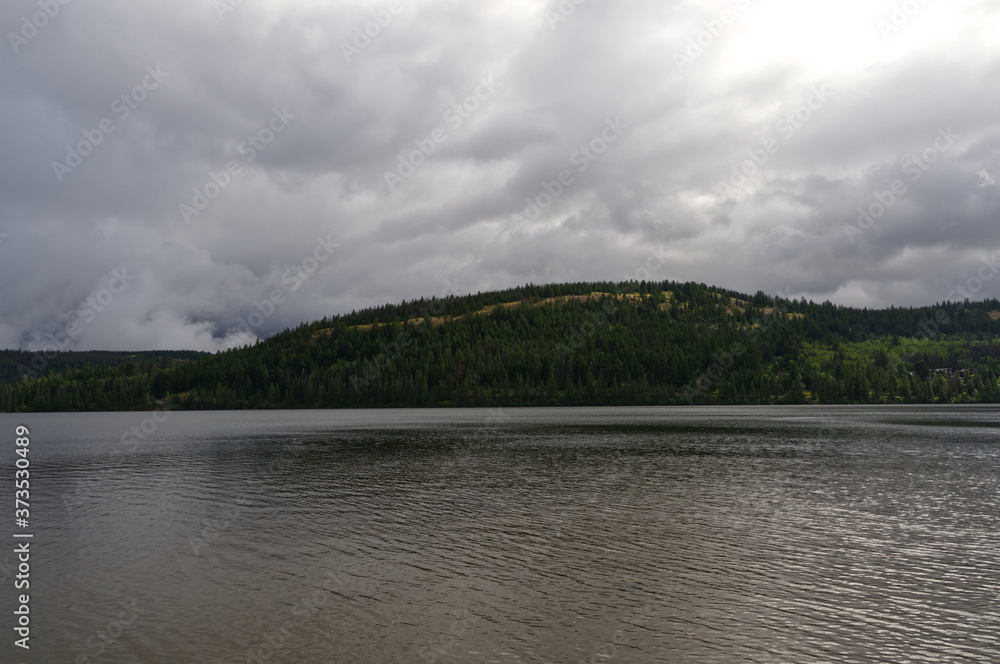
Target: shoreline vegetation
632,343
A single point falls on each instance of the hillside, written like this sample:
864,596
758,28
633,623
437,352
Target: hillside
573,344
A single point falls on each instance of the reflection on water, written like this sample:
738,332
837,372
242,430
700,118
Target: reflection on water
854,534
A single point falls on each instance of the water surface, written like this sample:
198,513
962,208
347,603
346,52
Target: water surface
701,535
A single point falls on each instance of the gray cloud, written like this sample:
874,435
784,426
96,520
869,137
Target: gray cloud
447,226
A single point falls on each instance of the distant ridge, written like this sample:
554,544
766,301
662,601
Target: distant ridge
597,343
16,364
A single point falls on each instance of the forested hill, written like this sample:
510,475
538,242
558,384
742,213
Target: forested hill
576,344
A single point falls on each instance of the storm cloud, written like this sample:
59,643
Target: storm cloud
172,174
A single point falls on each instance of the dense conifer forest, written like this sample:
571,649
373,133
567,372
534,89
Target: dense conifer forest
633,343
19,364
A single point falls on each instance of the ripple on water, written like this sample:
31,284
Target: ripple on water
638,535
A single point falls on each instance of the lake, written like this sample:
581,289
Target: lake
701,535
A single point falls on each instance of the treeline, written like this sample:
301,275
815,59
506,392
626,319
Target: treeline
633,343
16,365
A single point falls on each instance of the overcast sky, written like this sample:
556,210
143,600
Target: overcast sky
317,157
